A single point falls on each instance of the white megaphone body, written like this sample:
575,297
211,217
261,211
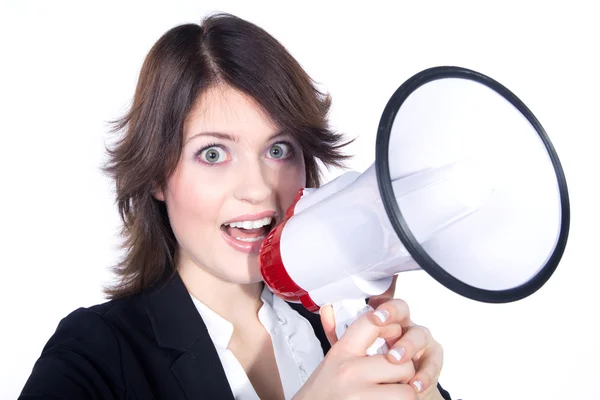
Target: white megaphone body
465,185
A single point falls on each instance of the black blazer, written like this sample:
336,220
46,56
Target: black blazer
153,345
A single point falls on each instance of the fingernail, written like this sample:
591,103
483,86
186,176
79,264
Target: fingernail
397,353
382,315
324,305
418,385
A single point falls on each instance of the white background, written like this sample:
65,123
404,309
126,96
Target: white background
68,67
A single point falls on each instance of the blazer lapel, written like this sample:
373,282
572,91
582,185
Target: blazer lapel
177,325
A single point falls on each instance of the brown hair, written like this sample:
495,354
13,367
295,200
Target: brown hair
183,64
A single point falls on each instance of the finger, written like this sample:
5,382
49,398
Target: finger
411,344
359,336
429,369
391,333
393,311
376,370
328,322
389,392
378,300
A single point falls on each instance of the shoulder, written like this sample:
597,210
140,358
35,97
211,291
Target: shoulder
83,356
100,324
87,325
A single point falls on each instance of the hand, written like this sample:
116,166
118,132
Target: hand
435,362
347,372
378,300
328,321
413,344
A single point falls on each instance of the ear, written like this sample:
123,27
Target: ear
158,194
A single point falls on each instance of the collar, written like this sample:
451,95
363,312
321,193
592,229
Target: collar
221,330
177,325
173,316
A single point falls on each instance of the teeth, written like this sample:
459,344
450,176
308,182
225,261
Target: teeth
251,224
250,239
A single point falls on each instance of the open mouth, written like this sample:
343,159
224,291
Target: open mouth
249,231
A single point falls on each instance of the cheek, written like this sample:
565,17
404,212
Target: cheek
292,179
192,202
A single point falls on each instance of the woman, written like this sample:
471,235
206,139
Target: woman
225,127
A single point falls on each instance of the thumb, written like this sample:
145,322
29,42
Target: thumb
378,300
328,322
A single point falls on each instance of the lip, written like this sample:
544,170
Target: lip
252,217
244,247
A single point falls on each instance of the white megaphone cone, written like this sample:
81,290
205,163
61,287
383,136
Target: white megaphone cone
465,186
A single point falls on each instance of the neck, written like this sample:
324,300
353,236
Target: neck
243,300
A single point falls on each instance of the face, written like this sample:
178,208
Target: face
237,175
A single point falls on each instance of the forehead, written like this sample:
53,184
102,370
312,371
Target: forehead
227,110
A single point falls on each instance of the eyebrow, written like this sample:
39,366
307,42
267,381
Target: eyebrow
231,138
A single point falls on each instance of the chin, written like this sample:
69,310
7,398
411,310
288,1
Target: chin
254,276
245,272
249,264
245,279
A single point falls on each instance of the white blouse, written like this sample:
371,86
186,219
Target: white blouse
297,350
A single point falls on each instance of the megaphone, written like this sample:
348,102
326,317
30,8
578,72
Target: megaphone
466,186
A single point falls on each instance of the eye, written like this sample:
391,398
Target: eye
213,155
280,151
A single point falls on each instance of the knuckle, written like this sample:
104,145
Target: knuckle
426,331
440,352
336,350
402,305
437,368
425,336
430,372
423,333
345,371
409,345
437,352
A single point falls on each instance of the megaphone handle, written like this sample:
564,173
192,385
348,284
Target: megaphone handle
346,312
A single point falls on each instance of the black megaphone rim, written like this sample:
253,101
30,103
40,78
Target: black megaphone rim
399,223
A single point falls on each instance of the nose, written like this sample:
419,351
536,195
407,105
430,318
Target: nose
253,184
